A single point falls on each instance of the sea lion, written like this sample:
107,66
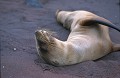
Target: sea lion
88,40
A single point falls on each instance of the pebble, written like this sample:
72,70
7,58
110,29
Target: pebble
14,49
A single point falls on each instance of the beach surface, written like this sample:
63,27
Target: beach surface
20,18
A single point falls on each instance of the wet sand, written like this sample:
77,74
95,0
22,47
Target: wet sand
18,22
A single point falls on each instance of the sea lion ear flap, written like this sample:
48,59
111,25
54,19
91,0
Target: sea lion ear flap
97,20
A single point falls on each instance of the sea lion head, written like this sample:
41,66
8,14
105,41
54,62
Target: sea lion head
48,47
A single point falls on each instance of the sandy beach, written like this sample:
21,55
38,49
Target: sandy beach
18,21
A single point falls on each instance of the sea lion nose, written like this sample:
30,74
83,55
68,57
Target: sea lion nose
37,32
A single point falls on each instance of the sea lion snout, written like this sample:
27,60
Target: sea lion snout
42,35
43,40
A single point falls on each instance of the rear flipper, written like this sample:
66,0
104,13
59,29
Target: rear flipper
98,20
116,47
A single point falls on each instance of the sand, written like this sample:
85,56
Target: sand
18,22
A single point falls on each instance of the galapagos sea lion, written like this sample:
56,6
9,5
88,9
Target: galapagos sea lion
88,40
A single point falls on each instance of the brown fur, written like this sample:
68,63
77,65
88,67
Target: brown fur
88,39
